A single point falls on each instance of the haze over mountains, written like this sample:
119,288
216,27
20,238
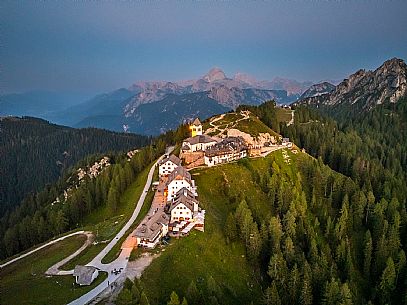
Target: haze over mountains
210,94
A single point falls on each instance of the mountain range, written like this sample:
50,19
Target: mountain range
135,108
153,107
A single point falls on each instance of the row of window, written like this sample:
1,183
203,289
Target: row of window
177,218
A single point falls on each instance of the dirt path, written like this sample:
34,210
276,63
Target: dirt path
214,128
292,118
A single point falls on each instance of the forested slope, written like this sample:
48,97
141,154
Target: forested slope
34,152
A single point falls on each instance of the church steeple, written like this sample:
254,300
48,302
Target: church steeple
196,128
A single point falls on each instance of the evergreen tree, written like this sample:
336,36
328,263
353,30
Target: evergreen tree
367,253
174,299
124,297
144,299
274,296
388,280
184,301
230,227
192,293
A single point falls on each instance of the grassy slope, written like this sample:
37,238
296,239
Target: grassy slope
25,283
201,255
283,115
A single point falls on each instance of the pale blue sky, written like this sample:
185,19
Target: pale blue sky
97,46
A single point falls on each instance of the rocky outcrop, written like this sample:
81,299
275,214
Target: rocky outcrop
318,89
263,139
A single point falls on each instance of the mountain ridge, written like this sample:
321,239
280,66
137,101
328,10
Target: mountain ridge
365,89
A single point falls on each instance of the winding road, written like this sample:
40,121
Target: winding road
41,247
120,262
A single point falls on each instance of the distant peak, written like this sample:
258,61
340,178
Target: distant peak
246,78
214,74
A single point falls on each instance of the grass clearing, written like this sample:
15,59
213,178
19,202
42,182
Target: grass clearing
24,282
283,115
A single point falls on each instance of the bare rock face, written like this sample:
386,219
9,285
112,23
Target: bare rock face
214,74
228,97
318,89
366,89
149,92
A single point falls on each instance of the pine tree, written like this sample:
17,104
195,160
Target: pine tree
184,301
213,287
135,293
306,289
254,245
275,232
144,299
274,296
388,280
112,199
332,293
230,227
346,295
124,297
367,253
174,299
192,293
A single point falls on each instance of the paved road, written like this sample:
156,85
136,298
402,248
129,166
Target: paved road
54,270
122,260
40,247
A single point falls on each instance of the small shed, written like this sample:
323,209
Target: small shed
85,275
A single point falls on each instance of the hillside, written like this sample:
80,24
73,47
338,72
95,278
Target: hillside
280,230
35,153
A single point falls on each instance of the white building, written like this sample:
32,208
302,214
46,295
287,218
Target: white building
197,143
228,150
149,233
183,206
286,142
85,275
178,179
167,165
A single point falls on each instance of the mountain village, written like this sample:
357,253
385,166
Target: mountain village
175,209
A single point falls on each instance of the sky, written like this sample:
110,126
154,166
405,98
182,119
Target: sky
98,46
